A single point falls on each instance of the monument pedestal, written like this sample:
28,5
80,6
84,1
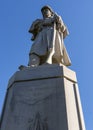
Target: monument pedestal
43,98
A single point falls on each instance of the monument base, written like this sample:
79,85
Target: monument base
43,98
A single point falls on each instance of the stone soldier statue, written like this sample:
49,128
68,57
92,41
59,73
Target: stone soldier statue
48,34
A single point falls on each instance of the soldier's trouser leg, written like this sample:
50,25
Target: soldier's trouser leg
34,60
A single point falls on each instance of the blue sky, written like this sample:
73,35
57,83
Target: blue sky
16,17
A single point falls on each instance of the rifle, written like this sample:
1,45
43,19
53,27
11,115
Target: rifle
51,51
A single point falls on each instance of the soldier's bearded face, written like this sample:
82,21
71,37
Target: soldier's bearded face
46,13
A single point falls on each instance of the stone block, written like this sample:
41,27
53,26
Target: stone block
43,98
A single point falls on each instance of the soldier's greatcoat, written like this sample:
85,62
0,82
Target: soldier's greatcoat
43,31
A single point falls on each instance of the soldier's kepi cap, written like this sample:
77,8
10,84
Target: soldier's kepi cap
47,7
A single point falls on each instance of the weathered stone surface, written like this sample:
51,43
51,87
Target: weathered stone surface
43,98
43,72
